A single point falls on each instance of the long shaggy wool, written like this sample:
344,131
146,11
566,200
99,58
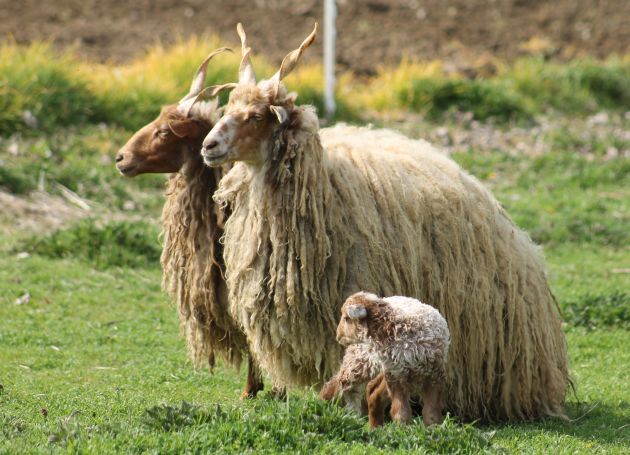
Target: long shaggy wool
193,265
379,212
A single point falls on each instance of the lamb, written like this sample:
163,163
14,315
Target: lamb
408,341
191,225
316,218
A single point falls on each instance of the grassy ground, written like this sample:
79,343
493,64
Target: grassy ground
90,355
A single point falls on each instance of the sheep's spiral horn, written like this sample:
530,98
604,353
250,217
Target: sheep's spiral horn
197,84
291,59
246,70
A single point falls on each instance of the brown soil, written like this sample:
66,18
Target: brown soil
370,32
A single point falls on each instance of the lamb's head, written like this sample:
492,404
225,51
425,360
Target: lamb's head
356,314
254,113
175,136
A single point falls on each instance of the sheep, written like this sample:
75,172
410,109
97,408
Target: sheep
316,218
409,341
191,225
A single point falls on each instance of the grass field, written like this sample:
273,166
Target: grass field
91,359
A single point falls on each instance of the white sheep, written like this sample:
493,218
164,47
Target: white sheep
406,342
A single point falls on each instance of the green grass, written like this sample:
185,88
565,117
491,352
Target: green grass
99,350
33,81
485,99
561,196
114,244
80,160
517,93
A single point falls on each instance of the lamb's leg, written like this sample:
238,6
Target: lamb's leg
401,410
254,380
330,389
432,403
377,397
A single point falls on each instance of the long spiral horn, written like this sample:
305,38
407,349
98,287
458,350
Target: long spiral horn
246,73
291,59
196,86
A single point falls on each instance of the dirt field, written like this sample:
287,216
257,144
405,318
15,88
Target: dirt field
371,32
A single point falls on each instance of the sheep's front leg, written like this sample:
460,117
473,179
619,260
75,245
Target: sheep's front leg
401,410
377,397
254,380
432,403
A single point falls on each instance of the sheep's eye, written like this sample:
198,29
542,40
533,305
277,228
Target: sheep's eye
255,117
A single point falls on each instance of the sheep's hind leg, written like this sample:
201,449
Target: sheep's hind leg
211,361
254,380
401,410
279,393
377,397
432,403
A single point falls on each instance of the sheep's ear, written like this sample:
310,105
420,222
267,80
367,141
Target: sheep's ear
281,113
183,128
356,311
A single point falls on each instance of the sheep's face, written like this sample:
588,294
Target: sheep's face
244,131
254,111
352,328
163,145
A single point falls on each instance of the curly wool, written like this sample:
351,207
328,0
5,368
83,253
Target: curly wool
393,216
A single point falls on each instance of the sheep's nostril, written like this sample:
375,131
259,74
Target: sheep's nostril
210,145
119,157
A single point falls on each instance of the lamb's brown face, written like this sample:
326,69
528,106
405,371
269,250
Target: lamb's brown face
352,327
162,146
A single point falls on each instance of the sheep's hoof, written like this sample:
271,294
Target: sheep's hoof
432,419
251,392
375,421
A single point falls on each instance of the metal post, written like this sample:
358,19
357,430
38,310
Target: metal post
330,13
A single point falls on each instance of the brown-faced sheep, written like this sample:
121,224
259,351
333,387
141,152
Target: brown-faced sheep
408,341
314,219
191,225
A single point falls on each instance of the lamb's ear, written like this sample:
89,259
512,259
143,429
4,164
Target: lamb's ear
183,128
356,311
281,113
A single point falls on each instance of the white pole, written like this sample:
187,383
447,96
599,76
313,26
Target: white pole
330,13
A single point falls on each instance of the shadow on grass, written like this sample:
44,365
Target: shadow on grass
589,421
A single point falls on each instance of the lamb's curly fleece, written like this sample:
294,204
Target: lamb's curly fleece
417,352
